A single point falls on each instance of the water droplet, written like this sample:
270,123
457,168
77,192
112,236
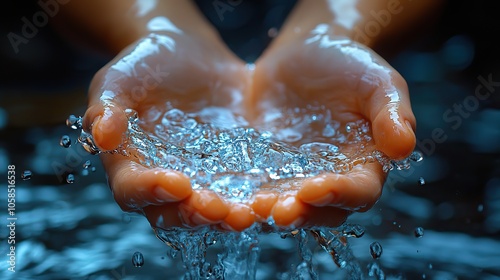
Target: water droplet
421,181
92,169
65,141
26,175
416,156
375,250
74,122
70,178
354,231
430,266
87,164
348,128
480,208
419,232
85,172
375,271
138,259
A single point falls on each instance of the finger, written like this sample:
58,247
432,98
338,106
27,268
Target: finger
135,186
263,203
393,123
289,211
240,217
203,207
356,190
108,124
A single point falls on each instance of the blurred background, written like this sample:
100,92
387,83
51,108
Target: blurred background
76,231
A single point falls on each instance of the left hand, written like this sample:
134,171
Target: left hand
354,83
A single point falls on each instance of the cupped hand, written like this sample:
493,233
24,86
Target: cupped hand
348,79
352,82
186,72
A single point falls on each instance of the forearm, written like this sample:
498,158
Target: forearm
365,21
111,25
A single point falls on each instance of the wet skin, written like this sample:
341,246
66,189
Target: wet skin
348,78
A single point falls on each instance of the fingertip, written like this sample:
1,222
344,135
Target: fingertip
109,127
394,134
204,207
240,217
173,186
317,191
289,211
263,203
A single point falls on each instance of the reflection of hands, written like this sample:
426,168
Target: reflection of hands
353,83
160,68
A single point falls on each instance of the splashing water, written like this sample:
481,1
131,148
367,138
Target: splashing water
220,152
239,251
234,160
65,141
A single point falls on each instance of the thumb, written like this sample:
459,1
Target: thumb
107,122
393,122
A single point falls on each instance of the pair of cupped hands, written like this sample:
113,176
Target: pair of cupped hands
192,73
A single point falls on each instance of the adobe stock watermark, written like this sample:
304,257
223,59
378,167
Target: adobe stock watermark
221,7
380,19
31,25
454,116
77,156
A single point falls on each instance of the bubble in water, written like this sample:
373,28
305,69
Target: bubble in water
421,181
70,178
74,122
375,250
85,172
138,259
92,169
26,175
65,141
419,232
480,208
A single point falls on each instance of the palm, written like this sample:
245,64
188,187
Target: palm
351,82
187,74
